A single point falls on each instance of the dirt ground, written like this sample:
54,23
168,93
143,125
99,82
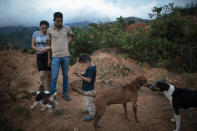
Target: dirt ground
113,70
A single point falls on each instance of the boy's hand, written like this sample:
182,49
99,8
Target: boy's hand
77,74
83,78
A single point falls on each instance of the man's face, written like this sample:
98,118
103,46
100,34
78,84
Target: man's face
43,28
58,22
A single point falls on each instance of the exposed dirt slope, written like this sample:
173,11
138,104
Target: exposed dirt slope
154,111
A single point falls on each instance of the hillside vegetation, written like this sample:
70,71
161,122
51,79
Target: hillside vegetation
168,40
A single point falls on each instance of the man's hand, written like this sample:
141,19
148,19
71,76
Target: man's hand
72,38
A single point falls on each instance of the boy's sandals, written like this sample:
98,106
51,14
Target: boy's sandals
85,112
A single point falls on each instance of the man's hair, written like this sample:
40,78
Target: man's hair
84,58
57,15
44,22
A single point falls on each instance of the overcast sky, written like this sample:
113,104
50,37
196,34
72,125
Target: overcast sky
31,12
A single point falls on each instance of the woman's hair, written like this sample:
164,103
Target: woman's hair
84,58
57,15
43,22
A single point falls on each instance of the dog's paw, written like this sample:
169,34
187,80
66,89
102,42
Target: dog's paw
43,109
126,117
172,120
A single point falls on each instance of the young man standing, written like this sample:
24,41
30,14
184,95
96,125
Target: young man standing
59,36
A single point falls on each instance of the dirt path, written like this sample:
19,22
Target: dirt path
154,111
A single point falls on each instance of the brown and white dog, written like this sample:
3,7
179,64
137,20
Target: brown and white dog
46,99
119,95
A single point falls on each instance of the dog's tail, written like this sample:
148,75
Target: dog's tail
82,93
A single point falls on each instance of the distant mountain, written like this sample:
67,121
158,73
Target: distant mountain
130,20
78,24
10,29
136,19
83,24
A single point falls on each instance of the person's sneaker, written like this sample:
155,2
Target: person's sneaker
85,112
87,118
66,97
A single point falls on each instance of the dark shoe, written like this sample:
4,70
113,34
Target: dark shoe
85,112
87,118
66,97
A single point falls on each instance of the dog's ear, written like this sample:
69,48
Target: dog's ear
158,83
163,85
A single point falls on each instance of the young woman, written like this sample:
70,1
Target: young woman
39,43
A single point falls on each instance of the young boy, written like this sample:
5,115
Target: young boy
88,81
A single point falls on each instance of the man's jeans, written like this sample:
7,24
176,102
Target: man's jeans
55,66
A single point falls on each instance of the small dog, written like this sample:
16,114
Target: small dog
119,95
178,97
46,99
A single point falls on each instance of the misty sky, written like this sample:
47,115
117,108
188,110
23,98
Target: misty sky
31,12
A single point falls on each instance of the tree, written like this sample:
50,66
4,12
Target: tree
121,22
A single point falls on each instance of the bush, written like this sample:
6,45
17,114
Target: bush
97,36
166,40
24,50
169,32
